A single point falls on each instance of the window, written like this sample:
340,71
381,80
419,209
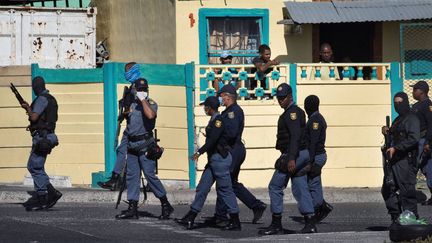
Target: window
240,35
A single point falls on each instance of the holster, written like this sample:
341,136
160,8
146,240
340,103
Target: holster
43,146
281,163
154,152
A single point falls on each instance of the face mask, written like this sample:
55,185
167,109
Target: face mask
133,73
401,107
220,101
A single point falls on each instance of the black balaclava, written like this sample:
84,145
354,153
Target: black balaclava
311,104
403,107
38,85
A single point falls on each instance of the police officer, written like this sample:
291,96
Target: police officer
292,164
423,110
217,169
141,121
405,135
315,135
132,73
234,117
42,115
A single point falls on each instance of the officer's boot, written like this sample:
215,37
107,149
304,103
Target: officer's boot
111,184
217,221
258,212
309,225
188,220
275,227
39,203
323,211
167,209
394,219
130,213
53,196
234,223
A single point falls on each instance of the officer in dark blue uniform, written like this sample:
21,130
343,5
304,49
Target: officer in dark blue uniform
292,164
217,168
399,182
423,110
315,135
43,117
132,73
234,117
141,121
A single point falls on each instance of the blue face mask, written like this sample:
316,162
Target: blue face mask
133,73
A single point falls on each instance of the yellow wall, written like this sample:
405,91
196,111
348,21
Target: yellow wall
140,31
391,42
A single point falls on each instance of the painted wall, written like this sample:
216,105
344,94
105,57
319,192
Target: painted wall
140,31
391,42
79,128
187,37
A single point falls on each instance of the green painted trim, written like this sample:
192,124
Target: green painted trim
110,71
396,84
190,87
59,76
157,74
204,13
293,80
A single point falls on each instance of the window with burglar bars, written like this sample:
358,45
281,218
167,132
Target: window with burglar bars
239,35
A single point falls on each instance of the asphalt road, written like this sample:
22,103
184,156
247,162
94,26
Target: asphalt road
92,222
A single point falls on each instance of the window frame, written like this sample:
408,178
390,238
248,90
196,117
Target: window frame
206,13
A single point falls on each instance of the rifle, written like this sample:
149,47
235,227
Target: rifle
388,173
17,94
124,105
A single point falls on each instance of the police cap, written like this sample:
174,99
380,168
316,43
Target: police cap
228,89
283,90
141,84
212,102
421,85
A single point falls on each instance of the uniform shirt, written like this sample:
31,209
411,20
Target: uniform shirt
234,119
214,135
315,134
423,110
292,124
135,123
41,103
405,132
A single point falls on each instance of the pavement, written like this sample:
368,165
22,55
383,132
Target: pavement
12,193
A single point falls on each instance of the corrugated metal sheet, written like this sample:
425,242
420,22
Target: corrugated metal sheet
358,11
51,37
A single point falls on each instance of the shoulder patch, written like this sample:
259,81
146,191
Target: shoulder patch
293,116
315,125
218,123
231,115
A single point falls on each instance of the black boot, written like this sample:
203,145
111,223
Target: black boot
258,212
309,225
323,211
275,227
188,220
167,210
111,184
37,203
130,213
216,221
53,196
234,223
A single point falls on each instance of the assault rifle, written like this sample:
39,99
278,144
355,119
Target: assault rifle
124,105
388,173
17,94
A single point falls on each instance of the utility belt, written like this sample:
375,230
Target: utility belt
43,145
138,138
149,147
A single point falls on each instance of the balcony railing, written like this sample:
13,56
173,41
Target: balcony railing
252,85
